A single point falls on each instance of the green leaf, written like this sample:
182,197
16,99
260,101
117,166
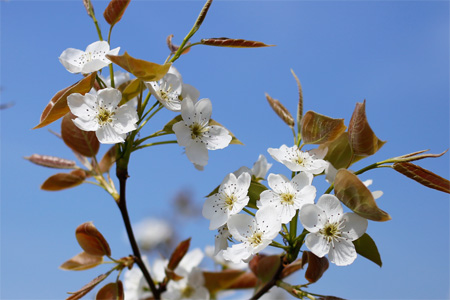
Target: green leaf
254,192
356,196
362,139
365,246
319,129
339,152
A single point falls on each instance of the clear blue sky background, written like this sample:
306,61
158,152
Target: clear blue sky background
395,54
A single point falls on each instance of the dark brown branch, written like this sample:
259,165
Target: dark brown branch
122,175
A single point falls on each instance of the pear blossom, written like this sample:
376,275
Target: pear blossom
219,260
171,90
101,113
196,135
297,160
259,169
288,196
90,60
229,200
151,233
331,230
190,287
119,78
254,234
221,239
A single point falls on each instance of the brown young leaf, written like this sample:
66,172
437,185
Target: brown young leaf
267,267
292,268
83,142
316,266
91,240
300,102
89,8
115,10
111,291
178,254
107,160
144,70
87,288
61,181
201,17
130,90
355,195
57,107
174,48
423,176
320,129
217,281
414,156
362,139
82,261
281,111
339,152
51,161
234,43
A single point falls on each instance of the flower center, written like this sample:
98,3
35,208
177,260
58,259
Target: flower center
330,231
256,238
229,201
187,292
104,116
165,91
197,130
287,198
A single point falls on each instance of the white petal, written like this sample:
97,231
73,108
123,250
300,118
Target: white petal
98,46
343,253
301,180
243,183
204,109
242,170
86,125
317,244
287,213
277,182
200,293
237,253
275,153
217,138
332,207
312,217
197,153
183,133
188,111
84,107
114,51
191,260
109,98
241,227
305,196
260,167
268,222
354,227
215,211
107,135
188,91
93,65
70,59
126,118
269,197
330,172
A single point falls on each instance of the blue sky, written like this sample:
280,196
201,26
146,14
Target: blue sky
394,54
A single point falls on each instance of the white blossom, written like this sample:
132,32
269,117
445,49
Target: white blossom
101,113
288,196
119,78
259,169
229,200
254,234
331,230
190,287
221,239
219,260
196,135
151,232
297,160
90,60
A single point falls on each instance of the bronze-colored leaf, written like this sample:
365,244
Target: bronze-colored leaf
423,176
234,43
281,111
415,156
356,196
178,254
51,161
362,139
82,261
61,181
87,288
57,107
115,10
267,267
108,160
130,90
89,8
217,281
111,291
339,152
91,240
292,268
174,48
202,15
316,266
83,142
144,70
320,129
